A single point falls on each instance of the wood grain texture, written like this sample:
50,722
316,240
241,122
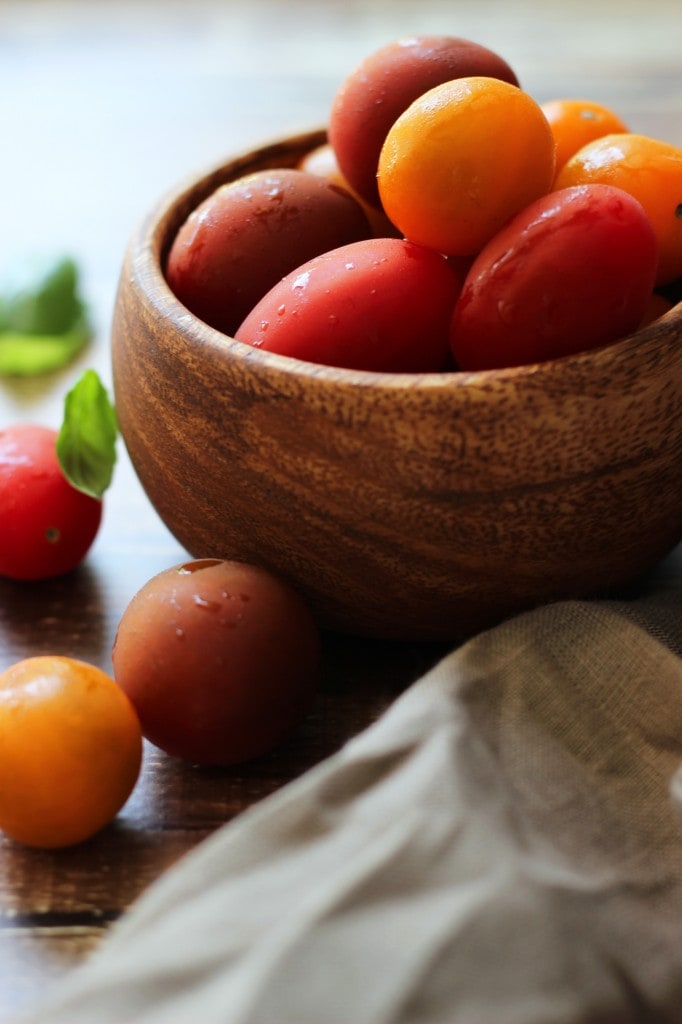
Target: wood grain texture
420,507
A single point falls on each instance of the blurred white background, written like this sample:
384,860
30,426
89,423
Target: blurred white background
105,106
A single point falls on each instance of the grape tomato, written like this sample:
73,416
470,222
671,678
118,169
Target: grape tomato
219,658
70,750
251,232
575,270
381,304
47,526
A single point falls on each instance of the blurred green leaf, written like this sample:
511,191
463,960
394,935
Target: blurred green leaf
29,355
43,321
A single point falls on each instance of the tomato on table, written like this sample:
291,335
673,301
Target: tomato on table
219,658
47,526
70,750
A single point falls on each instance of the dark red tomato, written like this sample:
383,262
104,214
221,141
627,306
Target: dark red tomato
46,525
382,304
251,232
384,84
573,271
219,658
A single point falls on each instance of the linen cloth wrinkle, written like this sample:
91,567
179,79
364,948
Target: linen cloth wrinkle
503,846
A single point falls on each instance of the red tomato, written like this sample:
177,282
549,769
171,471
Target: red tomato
220,660
46,525
571,272
249,233
380,304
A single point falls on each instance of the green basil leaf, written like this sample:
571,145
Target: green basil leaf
43,321
29,355
86,443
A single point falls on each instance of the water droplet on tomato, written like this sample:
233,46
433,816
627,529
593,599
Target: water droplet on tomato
197,565
301,281
205,604
507,311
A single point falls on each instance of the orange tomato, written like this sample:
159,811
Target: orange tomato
70,750
576,122
651,171
461,160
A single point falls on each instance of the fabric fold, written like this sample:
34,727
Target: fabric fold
504,846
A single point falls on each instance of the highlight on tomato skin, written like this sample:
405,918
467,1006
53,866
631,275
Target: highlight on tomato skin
47,526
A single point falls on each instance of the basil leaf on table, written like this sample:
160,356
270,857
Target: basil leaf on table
43,321
86,443
29,355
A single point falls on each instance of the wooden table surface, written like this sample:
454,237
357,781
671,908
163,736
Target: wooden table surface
104,107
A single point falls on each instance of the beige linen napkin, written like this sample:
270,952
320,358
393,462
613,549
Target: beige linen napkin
502,847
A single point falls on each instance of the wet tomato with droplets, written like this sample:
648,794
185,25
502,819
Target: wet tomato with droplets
572,271
249,233
219,658
381,304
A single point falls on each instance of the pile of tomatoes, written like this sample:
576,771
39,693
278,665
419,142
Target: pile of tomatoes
450,222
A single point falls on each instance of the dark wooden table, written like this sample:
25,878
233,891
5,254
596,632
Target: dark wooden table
104,107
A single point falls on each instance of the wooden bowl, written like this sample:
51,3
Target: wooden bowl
402,506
